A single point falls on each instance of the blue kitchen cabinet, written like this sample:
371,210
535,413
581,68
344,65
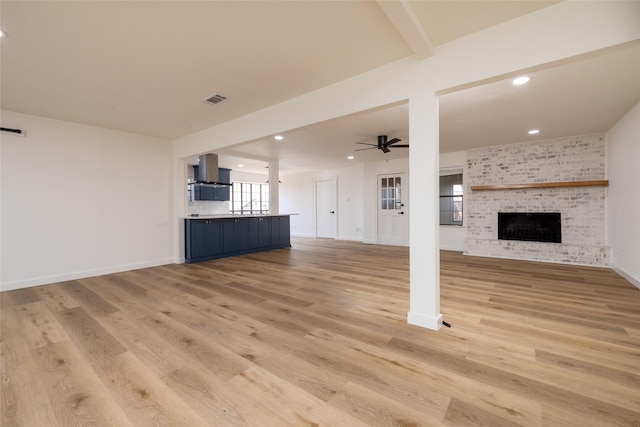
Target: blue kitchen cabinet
235,235
207,239
220,193
280,233
203,239
259,232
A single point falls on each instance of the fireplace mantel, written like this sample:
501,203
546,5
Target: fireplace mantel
599,183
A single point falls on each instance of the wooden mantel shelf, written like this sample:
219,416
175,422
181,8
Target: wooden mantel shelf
601,183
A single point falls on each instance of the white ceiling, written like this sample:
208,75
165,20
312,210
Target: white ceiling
146,66
585,95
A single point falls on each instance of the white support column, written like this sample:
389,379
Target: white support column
424,299
274,187
180,209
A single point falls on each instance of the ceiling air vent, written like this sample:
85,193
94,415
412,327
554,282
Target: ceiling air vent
215,99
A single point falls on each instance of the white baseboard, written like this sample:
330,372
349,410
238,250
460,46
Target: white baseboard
350,238
45,280
425,321
452,248
634,281
313,236
302,235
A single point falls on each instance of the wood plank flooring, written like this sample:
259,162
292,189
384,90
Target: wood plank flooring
317,335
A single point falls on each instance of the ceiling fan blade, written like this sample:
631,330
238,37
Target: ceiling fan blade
401,146
392,141
370,148
385,149
366,143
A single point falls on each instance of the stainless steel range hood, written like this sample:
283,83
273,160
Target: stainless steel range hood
208,171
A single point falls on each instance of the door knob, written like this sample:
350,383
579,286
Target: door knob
400,213
332,212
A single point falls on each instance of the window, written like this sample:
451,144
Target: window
249,198
391,193
451,197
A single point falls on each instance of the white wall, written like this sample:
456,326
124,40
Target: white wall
350,203
79,201
356,194
357,198
623,198
298,195
452,236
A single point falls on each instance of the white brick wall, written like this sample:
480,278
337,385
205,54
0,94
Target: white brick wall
582,209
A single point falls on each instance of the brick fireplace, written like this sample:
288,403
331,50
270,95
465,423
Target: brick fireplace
562,162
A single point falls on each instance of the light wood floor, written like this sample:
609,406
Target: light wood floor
317,335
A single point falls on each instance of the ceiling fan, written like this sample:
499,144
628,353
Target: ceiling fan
383,144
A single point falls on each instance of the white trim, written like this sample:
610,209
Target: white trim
82,274
404,18
635,282
350,238
426,321
451,248
303,235
452,170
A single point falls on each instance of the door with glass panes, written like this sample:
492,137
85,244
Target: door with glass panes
392,212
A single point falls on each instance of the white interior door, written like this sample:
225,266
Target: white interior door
392,213
326,216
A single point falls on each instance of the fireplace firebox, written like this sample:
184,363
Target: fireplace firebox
530,226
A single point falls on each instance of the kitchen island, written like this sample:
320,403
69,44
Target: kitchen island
217,236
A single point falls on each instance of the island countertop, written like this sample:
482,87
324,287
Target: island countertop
233,216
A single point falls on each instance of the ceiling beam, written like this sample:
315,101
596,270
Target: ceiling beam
404,18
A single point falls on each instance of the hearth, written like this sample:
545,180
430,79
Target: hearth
530,226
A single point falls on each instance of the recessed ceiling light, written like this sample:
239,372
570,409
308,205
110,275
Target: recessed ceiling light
2,33
534,131
521,80
278,137
350,157
240,165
